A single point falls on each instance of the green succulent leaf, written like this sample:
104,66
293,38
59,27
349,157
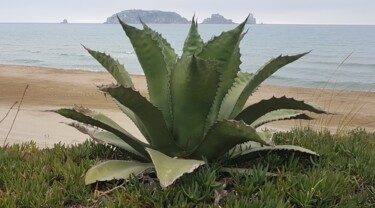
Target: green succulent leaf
168,52
223,136
115,169
283,114
89,117
234,93
106,137
262,74
257,110
154,55
193,84
193,43
136,120
225,49
170,169
116,69
282,150
150,116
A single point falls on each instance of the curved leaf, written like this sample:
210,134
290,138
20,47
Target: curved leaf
149,115
230,99
257,110
152,56
193,43
225,49
116,69
115,169
223,136
170,169
87,116
262,74
283,150
283,114
106,137
134,118
193,86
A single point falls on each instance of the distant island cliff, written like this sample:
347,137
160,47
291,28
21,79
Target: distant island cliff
149,17
133,16
217,19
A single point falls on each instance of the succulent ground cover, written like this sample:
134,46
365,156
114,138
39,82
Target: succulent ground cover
342,177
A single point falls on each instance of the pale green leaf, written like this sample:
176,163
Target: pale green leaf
170,169
193,84
224,49
106,137
257,110
283,114
262,74
234,93
282,150
116,69
152,55
193,43
223,136
150,116
87,116
115,169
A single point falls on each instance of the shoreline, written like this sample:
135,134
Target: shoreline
51,88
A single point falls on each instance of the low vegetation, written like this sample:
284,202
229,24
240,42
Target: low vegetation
342,177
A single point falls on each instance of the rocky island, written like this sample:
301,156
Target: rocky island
133,16
149,17
65,21
220,19
217,19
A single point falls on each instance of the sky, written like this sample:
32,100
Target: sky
265,11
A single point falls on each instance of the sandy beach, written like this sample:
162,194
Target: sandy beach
55,88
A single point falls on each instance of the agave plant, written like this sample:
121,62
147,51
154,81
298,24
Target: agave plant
195,111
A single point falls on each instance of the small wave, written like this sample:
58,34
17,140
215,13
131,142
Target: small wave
27,61
342,85
346,64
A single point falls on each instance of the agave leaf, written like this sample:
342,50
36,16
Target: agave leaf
262,74
283,114
193,43
89,117
223,136
134,118
152,118
225,49
115,169
283,150
193,88
116,69
106,137
169,54
233,95
152,55
266,135
257,110
170,169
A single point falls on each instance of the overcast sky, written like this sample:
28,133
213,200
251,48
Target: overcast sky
266,11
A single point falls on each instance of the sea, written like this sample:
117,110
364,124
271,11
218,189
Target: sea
342,56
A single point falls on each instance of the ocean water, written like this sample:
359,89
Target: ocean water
342,56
